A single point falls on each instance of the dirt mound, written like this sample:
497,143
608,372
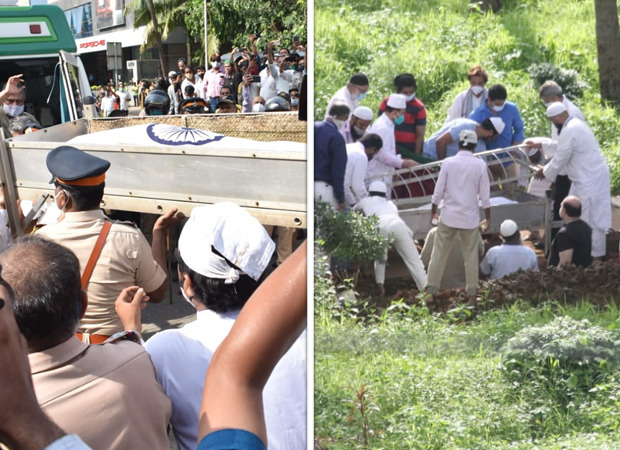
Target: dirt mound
599,284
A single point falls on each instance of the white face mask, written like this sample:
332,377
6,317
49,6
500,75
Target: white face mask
477,90
359,130
294,101
258,107
13,110
548,104
62,191
410,97
215,64
339,123
497,108
189,300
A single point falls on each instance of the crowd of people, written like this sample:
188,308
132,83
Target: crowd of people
357,152
245,80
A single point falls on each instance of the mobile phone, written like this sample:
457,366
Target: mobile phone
276,42
257,35
255,78
295,38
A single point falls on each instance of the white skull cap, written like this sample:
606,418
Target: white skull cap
234,233
508,228
363,112
377,186
397,101
555,109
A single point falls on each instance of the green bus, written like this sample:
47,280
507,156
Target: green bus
36,41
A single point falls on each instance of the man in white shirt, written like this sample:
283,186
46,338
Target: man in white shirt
357,124
386,160
125,97
579,154
509,257
471,98
394,228
352,94
358,155
222,254
463,185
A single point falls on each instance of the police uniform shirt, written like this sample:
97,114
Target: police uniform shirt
125,260
107,394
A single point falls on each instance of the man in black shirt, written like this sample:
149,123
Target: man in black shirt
573,243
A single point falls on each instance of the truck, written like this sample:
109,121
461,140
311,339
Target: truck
37,42
257,161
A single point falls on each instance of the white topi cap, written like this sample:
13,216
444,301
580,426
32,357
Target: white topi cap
468,137
498,124
377,186
363,112
397,101
231,231
508,228
555,109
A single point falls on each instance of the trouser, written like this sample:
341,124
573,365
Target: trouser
403,243
441,251
213,103
286,239
599,235
560,191
323,192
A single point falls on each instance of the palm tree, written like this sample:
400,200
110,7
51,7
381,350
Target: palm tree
160,20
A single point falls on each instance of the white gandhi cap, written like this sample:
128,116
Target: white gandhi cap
498,124
555,108
231,231
363,112
468,137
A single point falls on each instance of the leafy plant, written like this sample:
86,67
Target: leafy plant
364,405
348,236
568,79
566,358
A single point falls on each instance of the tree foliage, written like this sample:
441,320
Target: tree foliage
232,21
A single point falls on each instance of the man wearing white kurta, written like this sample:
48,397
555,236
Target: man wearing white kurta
214,236
392,227
579,154
358,155
351,95
386,160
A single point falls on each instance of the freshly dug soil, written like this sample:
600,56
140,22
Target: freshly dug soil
598,284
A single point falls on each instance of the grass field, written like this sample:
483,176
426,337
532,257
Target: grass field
438,40
403,378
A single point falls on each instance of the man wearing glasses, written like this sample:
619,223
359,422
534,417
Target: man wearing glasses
12,99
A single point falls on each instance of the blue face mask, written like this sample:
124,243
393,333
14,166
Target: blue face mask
399,120
362,96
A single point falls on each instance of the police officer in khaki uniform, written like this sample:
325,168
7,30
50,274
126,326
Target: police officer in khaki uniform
125,258
107,394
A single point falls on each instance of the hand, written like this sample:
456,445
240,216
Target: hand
247,79
434,219
129,304
168,219
539,175
484,225
407,163
12,86
252,38
271,44
531,144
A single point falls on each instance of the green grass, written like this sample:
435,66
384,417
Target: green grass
431,383
438,41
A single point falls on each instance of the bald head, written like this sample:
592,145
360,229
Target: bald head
45,278
572,206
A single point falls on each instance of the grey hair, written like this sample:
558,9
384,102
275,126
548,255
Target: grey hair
549,89
20,124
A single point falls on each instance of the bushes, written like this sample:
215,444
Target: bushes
565,359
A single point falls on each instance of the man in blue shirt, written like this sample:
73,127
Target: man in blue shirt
497,106
330,157
444,143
